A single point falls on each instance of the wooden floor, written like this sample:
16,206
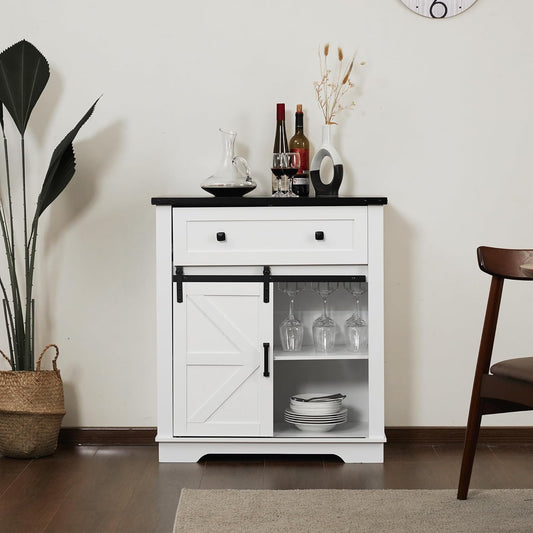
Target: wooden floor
107,489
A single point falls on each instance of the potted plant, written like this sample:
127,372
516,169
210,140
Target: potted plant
31,400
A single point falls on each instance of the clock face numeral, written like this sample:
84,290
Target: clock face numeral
438,9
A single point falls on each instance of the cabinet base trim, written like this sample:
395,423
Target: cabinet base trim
191,452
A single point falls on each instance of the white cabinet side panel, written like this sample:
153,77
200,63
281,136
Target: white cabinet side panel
164,319
375,320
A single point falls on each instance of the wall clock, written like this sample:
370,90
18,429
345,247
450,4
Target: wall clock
438,9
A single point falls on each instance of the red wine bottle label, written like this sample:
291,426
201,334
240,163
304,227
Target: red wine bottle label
304,159
300,179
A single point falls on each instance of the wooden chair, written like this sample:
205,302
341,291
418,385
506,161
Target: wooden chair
508,385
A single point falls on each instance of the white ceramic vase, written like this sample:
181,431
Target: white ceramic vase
326,150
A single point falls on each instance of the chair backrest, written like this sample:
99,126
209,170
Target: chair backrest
503,262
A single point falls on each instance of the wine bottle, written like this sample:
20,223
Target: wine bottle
300,143
280,141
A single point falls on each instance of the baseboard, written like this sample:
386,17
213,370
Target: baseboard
121,436
453,435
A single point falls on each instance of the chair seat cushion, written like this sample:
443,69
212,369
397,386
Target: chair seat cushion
520,368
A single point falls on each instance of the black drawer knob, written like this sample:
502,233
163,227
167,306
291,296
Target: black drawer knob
221,236
319,235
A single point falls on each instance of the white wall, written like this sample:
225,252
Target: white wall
442,128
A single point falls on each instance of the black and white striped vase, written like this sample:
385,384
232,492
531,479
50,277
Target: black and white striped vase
318,170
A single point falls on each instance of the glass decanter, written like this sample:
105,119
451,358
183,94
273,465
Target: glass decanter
233,176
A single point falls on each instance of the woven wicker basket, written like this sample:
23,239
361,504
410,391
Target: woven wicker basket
31,409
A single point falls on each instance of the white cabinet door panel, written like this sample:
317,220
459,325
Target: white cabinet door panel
220,389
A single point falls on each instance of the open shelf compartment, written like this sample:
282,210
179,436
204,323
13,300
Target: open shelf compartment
347,376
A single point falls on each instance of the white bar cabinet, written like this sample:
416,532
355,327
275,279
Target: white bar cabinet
224,381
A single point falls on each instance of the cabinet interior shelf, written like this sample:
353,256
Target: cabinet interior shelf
309,354
348,430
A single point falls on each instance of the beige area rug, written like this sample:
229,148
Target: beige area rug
343,511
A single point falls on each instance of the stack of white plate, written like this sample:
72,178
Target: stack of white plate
316,411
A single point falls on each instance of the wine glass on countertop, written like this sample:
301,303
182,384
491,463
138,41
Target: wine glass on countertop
292,162
278,169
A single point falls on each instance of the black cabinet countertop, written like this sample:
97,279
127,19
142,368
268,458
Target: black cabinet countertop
269,201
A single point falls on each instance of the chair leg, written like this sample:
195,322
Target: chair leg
471,438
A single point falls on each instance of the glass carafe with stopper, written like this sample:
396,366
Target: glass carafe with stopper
233,176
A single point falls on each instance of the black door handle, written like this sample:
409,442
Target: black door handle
221,236
319,235
266,346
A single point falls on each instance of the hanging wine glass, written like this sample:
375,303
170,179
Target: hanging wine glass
355,328
324,327
291,330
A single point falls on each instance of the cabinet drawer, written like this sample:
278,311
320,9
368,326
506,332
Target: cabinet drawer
270,235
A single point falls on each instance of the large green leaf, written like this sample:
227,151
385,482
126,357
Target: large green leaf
61,169
24,73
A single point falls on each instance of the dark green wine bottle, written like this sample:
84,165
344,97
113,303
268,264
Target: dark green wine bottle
299,143
281,146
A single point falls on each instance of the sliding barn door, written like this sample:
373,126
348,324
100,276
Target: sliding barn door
219,360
